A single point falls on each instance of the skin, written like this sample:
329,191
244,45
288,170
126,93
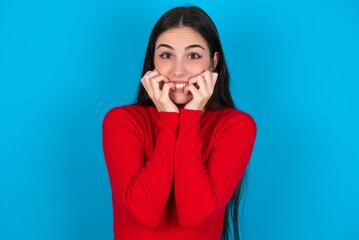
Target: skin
182,56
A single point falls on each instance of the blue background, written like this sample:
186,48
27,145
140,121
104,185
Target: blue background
294,68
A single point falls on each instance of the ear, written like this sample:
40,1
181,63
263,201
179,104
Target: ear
214,61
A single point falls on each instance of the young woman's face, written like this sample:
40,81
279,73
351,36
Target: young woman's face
180,54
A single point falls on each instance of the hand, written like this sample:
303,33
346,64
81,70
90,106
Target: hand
205,82
158,87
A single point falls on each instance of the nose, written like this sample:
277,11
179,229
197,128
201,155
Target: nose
179,69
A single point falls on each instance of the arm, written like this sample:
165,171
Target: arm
202,190
140,187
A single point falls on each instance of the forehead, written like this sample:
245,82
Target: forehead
181,37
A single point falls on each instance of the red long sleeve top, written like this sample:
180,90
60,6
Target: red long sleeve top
172,174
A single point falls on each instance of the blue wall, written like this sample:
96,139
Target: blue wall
294,68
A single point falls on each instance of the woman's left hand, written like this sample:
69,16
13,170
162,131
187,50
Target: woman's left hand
201,94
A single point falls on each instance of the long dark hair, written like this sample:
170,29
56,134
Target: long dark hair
198,20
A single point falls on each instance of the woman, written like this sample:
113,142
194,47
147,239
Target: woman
177,156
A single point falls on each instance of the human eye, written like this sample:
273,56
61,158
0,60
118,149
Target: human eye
194,56
165,55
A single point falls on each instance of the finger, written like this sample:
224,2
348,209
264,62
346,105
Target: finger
211,79
207,76
148,75
195,92
155,84
194,79
214,75
151,73
203,87
214,79
165,91
165,101
145,80
199,82
158,78
148,88
165,80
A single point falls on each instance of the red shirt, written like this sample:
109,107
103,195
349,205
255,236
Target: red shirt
172,174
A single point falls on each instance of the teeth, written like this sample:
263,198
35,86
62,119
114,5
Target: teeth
180,85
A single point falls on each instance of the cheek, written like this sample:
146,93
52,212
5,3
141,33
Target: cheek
160,66
199,67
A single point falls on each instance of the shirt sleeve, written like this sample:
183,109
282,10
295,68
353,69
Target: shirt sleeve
203,188
140,186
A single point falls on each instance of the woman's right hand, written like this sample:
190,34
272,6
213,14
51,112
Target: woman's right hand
158,88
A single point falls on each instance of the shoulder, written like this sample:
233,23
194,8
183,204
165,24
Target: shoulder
231,118
232,115
124,110
127,114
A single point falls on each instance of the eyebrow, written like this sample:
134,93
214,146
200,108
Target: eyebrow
165,45
186,48
194,46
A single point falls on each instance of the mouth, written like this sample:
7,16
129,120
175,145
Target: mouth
179,87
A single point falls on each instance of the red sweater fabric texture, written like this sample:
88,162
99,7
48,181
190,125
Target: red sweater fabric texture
172,174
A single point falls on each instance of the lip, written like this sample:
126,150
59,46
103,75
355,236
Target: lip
179,81
177,91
